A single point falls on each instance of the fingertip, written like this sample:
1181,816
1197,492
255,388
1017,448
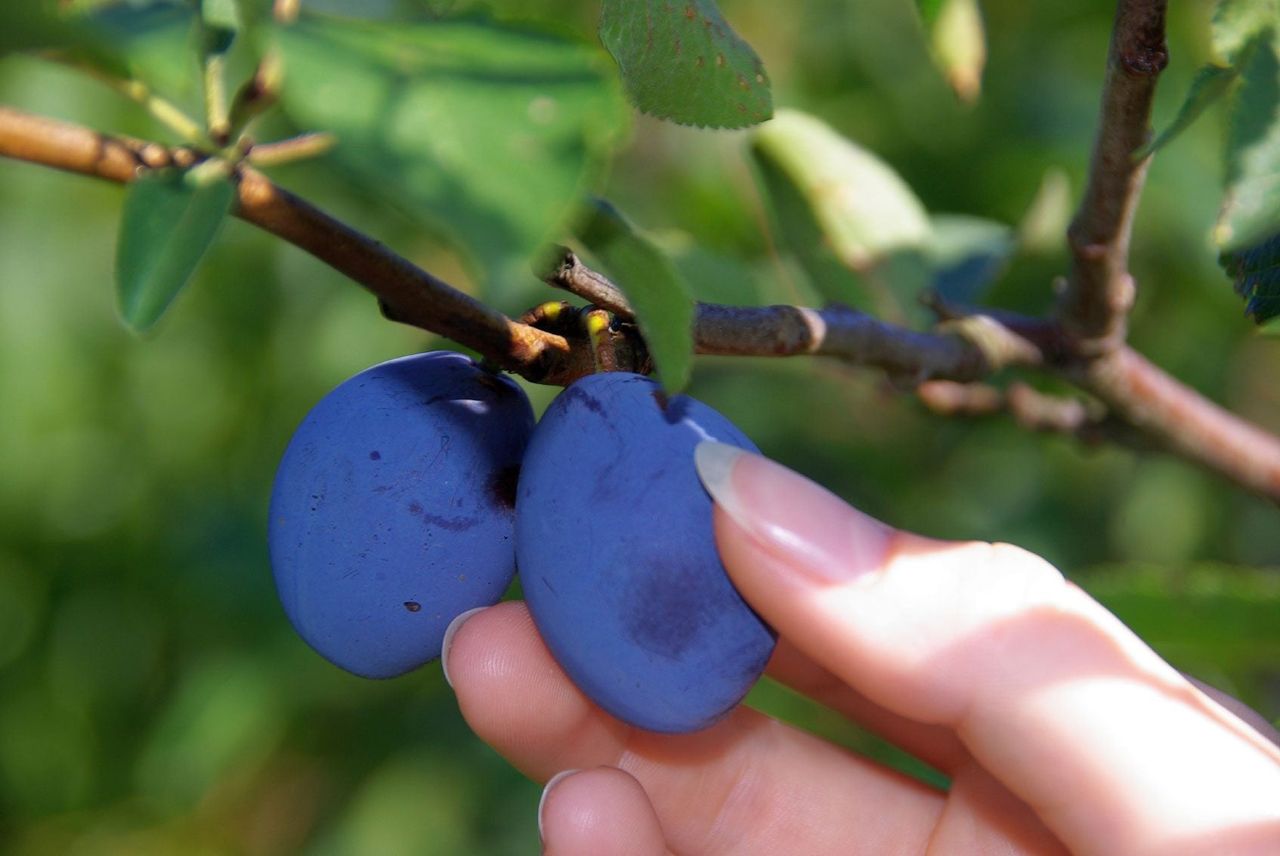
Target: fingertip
601,810
447,642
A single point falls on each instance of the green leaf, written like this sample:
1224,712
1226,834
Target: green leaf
929,10
167,224
967,255
959,45
1209,84
487,133
33,25
656,291
1237,22
221,23
1256,275
865,214
682,61
796,227
1203,615
1251,209
154,44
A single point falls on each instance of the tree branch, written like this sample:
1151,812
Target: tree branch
1100,289
968,348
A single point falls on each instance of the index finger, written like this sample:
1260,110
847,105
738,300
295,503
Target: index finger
1053,695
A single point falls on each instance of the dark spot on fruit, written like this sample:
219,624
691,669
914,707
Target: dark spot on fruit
415,507
664,609
451,524
587,400
502,487
375,455
412,606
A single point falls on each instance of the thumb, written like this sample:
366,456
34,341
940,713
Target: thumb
1046,689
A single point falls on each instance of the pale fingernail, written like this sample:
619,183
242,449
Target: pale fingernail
447,641
546,789
793,518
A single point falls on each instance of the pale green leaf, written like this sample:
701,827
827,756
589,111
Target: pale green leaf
959,45
682,61
655,289
1251,210
487,133
167,224
1237,22
865,211
1209,84
795,227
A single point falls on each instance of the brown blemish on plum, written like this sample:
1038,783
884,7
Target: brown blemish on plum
415,507
375,455
502,488
412,606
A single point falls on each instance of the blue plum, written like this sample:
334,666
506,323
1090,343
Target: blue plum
393,509
618,559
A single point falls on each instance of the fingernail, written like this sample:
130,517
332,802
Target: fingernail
546,789
453,628
791,517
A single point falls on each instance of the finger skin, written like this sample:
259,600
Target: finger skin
604,810
748,785
1069,710
936,745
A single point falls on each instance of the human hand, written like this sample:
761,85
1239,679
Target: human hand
1061,730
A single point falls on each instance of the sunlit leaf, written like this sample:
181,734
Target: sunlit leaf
1237,22
1256,275
864,213
655,289
796,228
488,133
1251,210
967,254
1209,84
167,224
959,45
682,61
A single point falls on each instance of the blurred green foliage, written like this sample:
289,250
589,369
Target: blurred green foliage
153,698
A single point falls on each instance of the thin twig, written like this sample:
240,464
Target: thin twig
161,109
1100,290
1127,384
293,149
568,272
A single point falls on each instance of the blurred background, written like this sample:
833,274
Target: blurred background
153,698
